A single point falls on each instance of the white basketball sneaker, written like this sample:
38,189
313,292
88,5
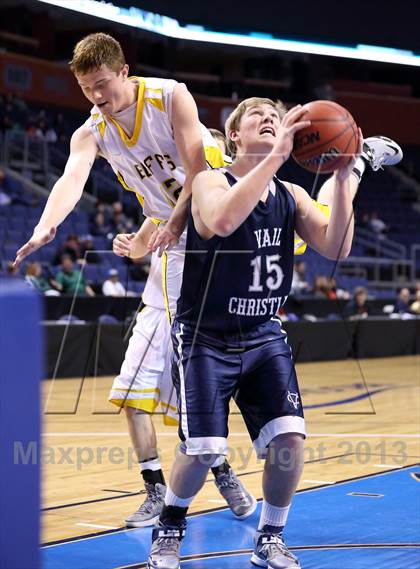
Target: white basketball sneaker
381,151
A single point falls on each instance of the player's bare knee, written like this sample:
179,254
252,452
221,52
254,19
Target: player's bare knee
286,451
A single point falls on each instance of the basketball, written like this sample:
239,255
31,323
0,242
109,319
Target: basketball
329,142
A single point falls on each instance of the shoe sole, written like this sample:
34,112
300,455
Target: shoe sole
392,145
144,524
148,566
255,560
249,512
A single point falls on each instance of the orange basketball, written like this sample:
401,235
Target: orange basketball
331,140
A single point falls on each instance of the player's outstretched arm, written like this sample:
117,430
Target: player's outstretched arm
66,192
331,238
134,245
189,143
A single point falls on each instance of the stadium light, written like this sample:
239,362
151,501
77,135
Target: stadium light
169,27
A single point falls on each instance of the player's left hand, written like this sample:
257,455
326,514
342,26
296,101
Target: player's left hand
343,173
162,239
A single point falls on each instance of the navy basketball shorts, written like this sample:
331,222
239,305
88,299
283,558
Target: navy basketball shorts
255,367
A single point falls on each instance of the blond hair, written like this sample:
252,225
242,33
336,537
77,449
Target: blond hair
220,139
95,50
234,119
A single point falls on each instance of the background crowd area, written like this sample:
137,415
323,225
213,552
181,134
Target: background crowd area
80,262
41,105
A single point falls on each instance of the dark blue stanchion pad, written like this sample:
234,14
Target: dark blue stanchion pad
20,452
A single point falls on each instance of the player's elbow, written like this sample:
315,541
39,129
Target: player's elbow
344,252
337,253
223,226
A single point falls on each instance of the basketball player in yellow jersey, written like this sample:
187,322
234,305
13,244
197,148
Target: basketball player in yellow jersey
148,130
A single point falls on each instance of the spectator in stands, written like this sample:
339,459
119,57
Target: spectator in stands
14,111
415,307
112,286
35,278
378,226
100,207
120,222
60,128
357,307
5,198
87,248
71,281
299,282
320,288
69,247
402,305
364,221
333,291
99,227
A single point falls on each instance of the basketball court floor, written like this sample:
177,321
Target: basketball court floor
358,503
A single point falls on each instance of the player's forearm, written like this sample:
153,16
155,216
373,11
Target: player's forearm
138,246
235,205
340,229
61,201
326,193
178,219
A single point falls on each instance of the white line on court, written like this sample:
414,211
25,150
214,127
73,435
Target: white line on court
217,501
319,481
95,526
174,434
386,465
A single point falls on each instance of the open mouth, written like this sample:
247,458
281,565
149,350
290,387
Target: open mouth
267,130
100,105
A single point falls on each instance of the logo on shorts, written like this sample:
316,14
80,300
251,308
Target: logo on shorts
293,398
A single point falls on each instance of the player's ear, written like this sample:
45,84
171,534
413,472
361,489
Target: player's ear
233,135
124,71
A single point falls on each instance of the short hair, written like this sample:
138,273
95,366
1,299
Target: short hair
359,290
234,119
220,138
95,50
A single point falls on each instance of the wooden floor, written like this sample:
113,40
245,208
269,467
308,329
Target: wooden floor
91,480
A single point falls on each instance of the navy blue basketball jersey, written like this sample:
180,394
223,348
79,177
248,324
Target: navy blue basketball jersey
240,281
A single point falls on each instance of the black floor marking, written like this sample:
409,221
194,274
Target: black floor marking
313,488
118,491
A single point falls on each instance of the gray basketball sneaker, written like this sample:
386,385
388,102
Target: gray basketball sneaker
166,541
149,512
271,552
241,502
381,151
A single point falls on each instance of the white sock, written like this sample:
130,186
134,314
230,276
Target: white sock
273,515
359,167
172,500
219,461
153,464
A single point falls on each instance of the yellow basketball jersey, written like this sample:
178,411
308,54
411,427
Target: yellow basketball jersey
148,163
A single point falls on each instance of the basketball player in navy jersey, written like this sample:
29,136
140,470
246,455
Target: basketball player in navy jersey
227,338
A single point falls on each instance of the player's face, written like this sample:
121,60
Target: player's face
106,89
259,128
